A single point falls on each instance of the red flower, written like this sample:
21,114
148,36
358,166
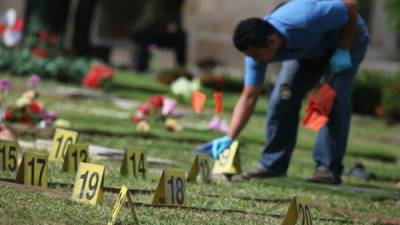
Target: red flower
144,109
19,25
39,52
26,120
136,118
53,38
43,35
97,74
157,101
9,114
36,107
3,28
91,80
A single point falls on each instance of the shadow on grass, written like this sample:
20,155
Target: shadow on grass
372,192
124,87
139,135
384,157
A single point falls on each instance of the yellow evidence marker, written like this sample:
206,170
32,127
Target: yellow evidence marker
89,182
62,138
8,156
171,188
299,210
117,206
229,161
76,153
134,163
201,165
33,169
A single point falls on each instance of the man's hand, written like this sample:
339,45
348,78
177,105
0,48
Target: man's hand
216,147
219,145
340,61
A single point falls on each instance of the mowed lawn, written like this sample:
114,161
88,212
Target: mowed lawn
101,122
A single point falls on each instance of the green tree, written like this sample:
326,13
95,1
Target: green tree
393,8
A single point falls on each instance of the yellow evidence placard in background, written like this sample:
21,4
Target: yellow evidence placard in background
134,163
200,166
62,138
8,156
171,189
76,153
33,169
299,210
124,193
89,182
229,161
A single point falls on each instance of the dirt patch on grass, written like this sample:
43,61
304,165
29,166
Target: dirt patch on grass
45,191
362,215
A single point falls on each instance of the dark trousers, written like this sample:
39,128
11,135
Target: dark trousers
283,114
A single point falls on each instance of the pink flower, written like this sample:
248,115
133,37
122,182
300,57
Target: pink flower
168,106
5,85
33,80
217,124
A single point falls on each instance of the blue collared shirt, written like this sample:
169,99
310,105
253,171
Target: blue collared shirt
310,29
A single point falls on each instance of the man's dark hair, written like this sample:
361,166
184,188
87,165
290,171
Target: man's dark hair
252,33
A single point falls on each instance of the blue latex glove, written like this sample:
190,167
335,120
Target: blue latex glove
205,149
216,147
340,61
219,145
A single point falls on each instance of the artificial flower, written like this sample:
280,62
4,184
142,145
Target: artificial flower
98,73
33,80
168,106
172,125
216,124
5,85
143,127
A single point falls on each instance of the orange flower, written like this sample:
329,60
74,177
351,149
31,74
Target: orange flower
379,111
397,87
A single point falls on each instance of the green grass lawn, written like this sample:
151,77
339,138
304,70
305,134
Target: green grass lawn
371,142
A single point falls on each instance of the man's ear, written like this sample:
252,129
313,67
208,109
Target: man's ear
272,41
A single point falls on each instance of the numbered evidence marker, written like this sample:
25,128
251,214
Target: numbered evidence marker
201,165
299,210
171,188
62,138
33,169
229,161
117,206
9,156
134,163
76,153
89,182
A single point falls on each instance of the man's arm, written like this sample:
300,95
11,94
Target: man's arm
347,32
243,109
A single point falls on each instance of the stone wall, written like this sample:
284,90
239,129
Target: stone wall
210,24
385,41
19,5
